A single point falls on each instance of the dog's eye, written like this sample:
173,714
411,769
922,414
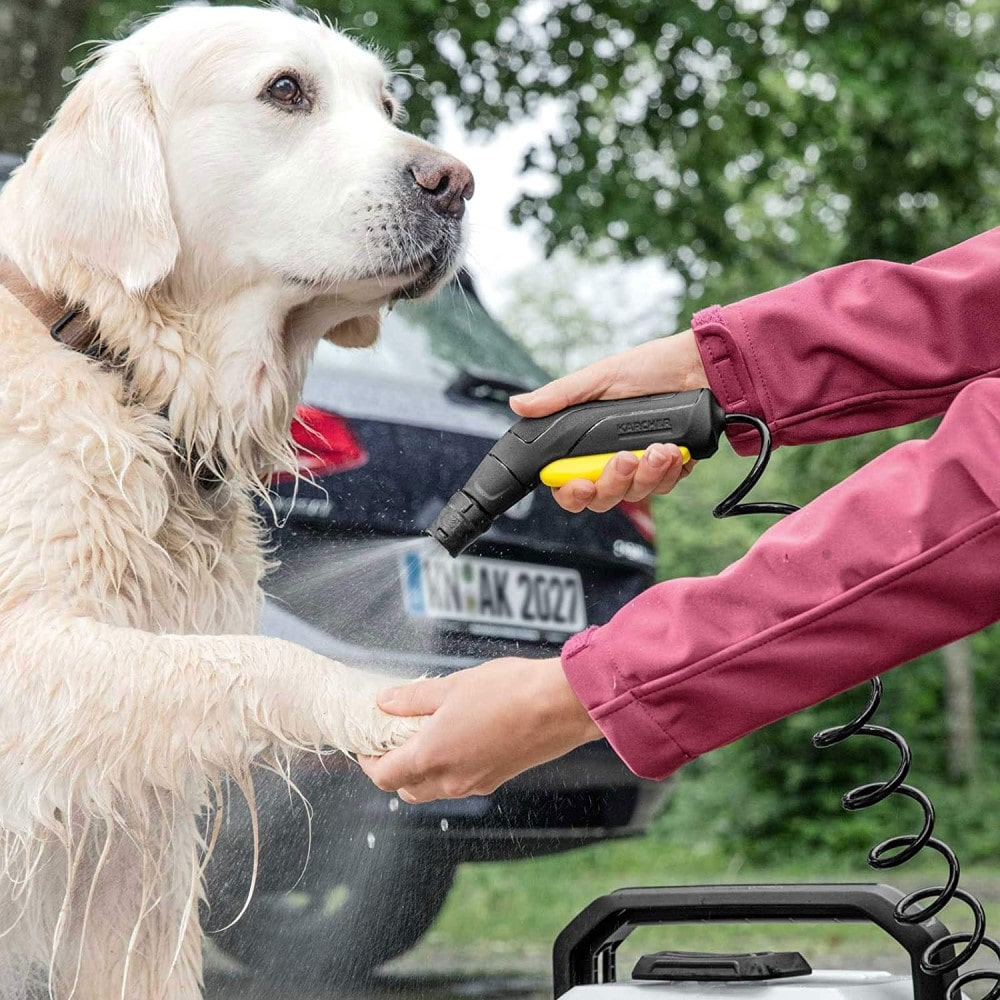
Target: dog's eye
389,107
287,91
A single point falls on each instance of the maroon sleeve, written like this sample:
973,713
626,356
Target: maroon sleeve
899,559
858,347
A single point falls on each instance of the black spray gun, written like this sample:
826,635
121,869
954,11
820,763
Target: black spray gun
577,443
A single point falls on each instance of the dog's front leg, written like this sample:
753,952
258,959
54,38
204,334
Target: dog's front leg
129,927
111,736
97,710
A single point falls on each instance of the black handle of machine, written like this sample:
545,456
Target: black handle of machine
584,952
715,967
692,418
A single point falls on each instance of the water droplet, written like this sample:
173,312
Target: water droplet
444,825
371,841
393,805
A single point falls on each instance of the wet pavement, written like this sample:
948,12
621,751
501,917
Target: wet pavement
230,986
444,986
422,974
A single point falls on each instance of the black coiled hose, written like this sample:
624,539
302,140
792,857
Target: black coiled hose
897,850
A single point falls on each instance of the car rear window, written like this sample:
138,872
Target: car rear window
433,342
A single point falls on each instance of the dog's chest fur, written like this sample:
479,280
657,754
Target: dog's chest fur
105,518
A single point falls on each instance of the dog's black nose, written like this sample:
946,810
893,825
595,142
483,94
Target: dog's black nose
447,182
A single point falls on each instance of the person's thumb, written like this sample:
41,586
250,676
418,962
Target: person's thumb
592,382
420,698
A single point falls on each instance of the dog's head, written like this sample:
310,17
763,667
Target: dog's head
221,189
224,147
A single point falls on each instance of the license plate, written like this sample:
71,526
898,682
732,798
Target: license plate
493,592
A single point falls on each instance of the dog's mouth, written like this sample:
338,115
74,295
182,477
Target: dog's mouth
418,275
427,271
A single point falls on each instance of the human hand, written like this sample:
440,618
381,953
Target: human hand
669,364
483,726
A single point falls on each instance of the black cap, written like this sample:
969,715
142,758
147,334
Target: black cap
461,521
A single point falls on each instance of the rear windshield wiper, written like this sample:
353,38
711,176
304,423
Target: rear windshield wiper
486,386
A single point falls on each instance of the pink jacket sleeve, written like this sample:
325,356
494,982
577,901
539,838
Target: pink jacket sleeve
858,347
897,560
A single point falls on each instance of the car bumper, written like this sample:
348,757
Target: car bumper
585,797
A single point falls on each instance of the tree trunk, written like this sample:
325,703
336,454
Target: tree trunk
960,710
36,37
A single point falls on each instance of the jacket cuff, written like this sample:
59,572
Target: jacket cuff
724,344
645,747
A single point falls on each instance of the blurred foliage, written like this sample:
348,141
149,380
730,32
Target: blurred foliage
569,311
745,143
35,39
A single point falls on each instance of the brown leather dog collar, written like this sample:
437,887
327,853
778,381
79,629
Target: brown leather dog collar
68,325
72,327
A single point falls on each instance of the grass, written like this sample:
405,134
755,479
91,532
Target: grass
506,915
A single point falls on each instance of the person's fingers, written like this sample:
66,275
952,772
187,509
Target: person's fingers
367,764
442,787
614,482
688,468
658,472
422,791
419,698
395,770
578,387
575,495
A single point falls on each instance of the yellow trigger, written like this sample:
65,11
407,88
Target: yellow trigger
564,470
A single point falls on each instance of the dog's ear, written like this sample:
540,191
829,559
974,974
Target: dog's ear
362,331
95,185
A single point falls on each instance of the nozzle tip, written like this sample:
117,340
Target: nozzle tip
459,524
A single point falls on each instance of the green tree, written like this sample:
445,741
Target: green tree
35,41
762,137
569,311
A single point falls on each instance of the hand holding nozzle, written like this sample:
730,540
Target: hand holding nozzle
585,437
668,364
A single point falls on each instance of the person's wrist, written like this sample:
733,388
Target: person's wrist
692,368
561,707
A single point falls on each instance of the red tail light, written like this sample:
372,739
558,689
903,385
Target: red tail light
324,443
640,513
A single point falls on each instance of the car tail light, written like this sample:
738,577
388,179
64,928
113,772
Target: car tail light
640,513
324,444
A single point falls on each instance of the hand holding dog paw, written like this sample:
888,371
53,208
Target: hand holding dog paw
372,731
483,726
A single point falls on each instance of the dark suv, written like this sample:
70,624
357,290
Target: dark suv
394,430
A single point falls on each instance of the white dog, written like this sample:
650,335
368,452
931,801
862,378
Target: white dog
220,190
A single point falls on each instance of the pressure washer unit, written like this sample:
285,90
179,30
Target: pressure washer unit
577,443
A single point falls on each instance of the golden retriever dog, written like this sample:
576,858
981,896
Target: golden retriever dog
220,190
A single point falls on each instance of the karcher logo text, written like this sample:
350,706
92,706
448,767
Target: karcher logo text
654,424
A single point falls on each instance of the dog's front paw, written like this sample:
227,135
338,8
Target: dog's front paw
372,732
